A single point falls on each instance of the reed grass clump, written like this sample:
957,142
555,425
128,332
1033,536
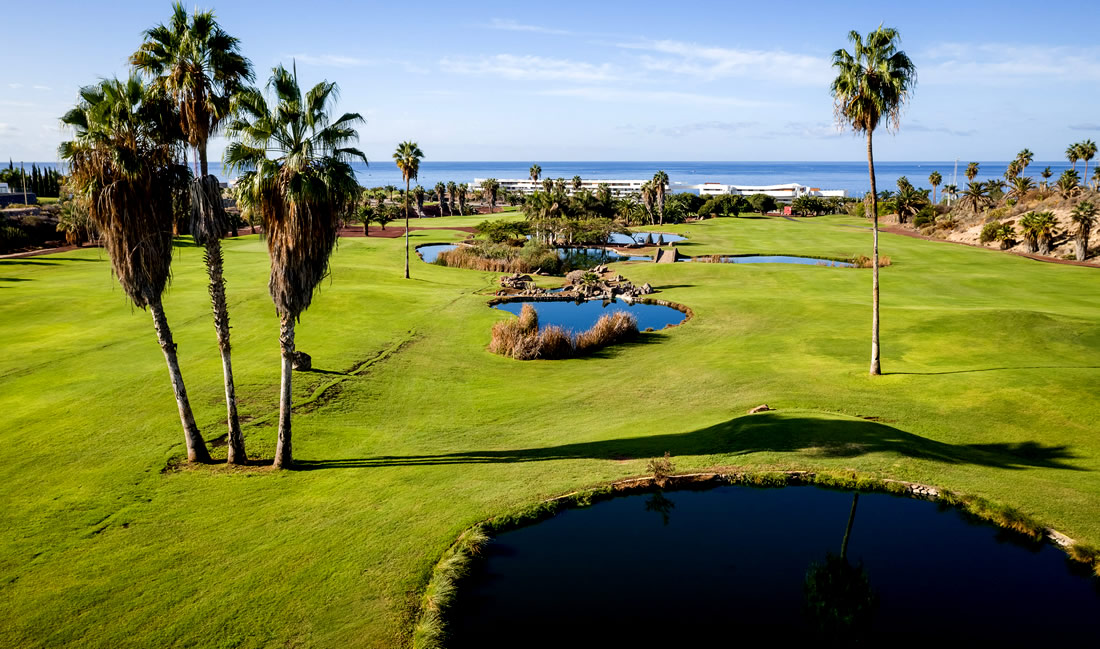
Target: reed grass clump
522,340
502,258
863,261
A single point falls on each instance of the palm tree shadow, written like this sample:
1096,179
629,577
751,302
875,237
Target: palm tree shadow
764,432
1000,369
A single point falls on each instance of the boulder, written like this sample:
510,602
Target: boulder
646,289
301,362
761,408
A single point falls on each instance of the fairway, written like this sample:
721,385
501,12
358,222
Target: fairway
409,430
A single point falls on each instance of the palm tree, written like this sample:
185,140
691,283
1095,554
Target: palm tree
660,185
1086,150
123,161
649,197
297,172
1084,217
1038,229
909,201
461,196
934,179
1096,179
535,172
1024,159
547,185
1073,154
489,189
1046,174
577,183
1012,171
976,196
418,195
971,171
407,158
559,185
440,195
872,84
1069,183
390,189
365,214
451,189
1021,185
951,192
200,67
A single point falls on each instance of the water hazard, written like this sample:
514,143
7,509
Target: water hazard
782,259
580,316
730,564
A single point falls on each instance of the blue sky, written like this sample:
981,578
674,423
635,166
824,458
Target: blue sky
607,81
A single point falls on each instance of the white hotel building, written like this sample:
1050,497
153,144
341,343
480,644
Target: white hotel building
782,193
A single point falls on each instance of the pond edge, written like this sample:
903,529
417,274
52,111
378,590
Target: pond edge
429,631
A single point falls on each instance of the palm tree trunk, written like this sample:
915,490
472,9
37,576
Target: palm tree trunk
848,530
196,447
215,269
284,454
876,368
202,160
1081,243
406,229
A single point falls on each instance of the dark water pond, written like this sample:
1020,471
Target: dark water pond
783,259
588,257
430,252
620,239
719,567
578,317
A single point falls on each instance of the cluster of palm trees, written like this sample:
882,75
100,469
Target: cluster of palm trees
128,161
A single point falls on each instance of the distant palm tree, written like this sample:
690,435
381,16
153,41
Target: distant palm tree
200,67
460,194
559,185
390,189
1024,159
1069,183
297,163
1073,154
123,161
872,84
1086,150
660,186
976,196
1084,217
451,189
649,199
365,214
1046,174
934,179
1021,185
951,192
1012,171
909,201
1096,179
489,189
547,185
407,158
577,183
441,195
418,195
971,171
535,172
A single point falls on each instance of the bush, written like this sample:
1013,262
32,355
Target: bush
989,232
863,261
502,258
522,340
926,216
12,237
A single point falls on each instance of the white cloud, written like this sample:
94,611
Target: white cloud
996,64
712,63
513,26
651,96
528,68
331,60
38,87
7,128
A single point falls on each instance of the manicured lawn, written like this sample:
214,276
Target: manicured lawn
993,366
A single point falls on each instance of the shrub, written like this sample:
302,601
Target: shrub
500,231
925,217
989,232
12,237
608,330
863,261
661,468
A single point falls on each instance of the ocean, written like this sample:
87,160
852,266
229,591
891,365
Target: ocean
851,176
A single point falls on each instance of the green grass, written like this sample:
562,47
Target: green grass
992,365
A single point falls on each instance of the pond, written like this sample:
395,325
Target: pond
782,259
430,252
619,239
581,316
588,257
724,565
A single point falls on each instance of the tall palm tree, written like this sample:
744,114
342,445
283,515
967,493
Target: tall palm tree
577,183
441,195
451,188
1038,229
872,84
649,199
461,196
1073,154
407,158
660,185
547,185
1024,159
123,161
934,179
535,172
418,195
489,189
971,171
1086,150
296,160
1046,174
976,196
1084,217
196,63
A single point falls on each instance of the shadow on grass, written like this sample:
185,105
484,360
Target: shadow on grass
765,432
52,261
1000,369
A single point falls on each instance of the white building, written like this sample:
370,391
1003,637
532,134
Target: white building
527,186
4,188
785,193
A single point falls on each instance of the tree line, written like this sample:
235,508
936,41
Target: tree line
40,182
